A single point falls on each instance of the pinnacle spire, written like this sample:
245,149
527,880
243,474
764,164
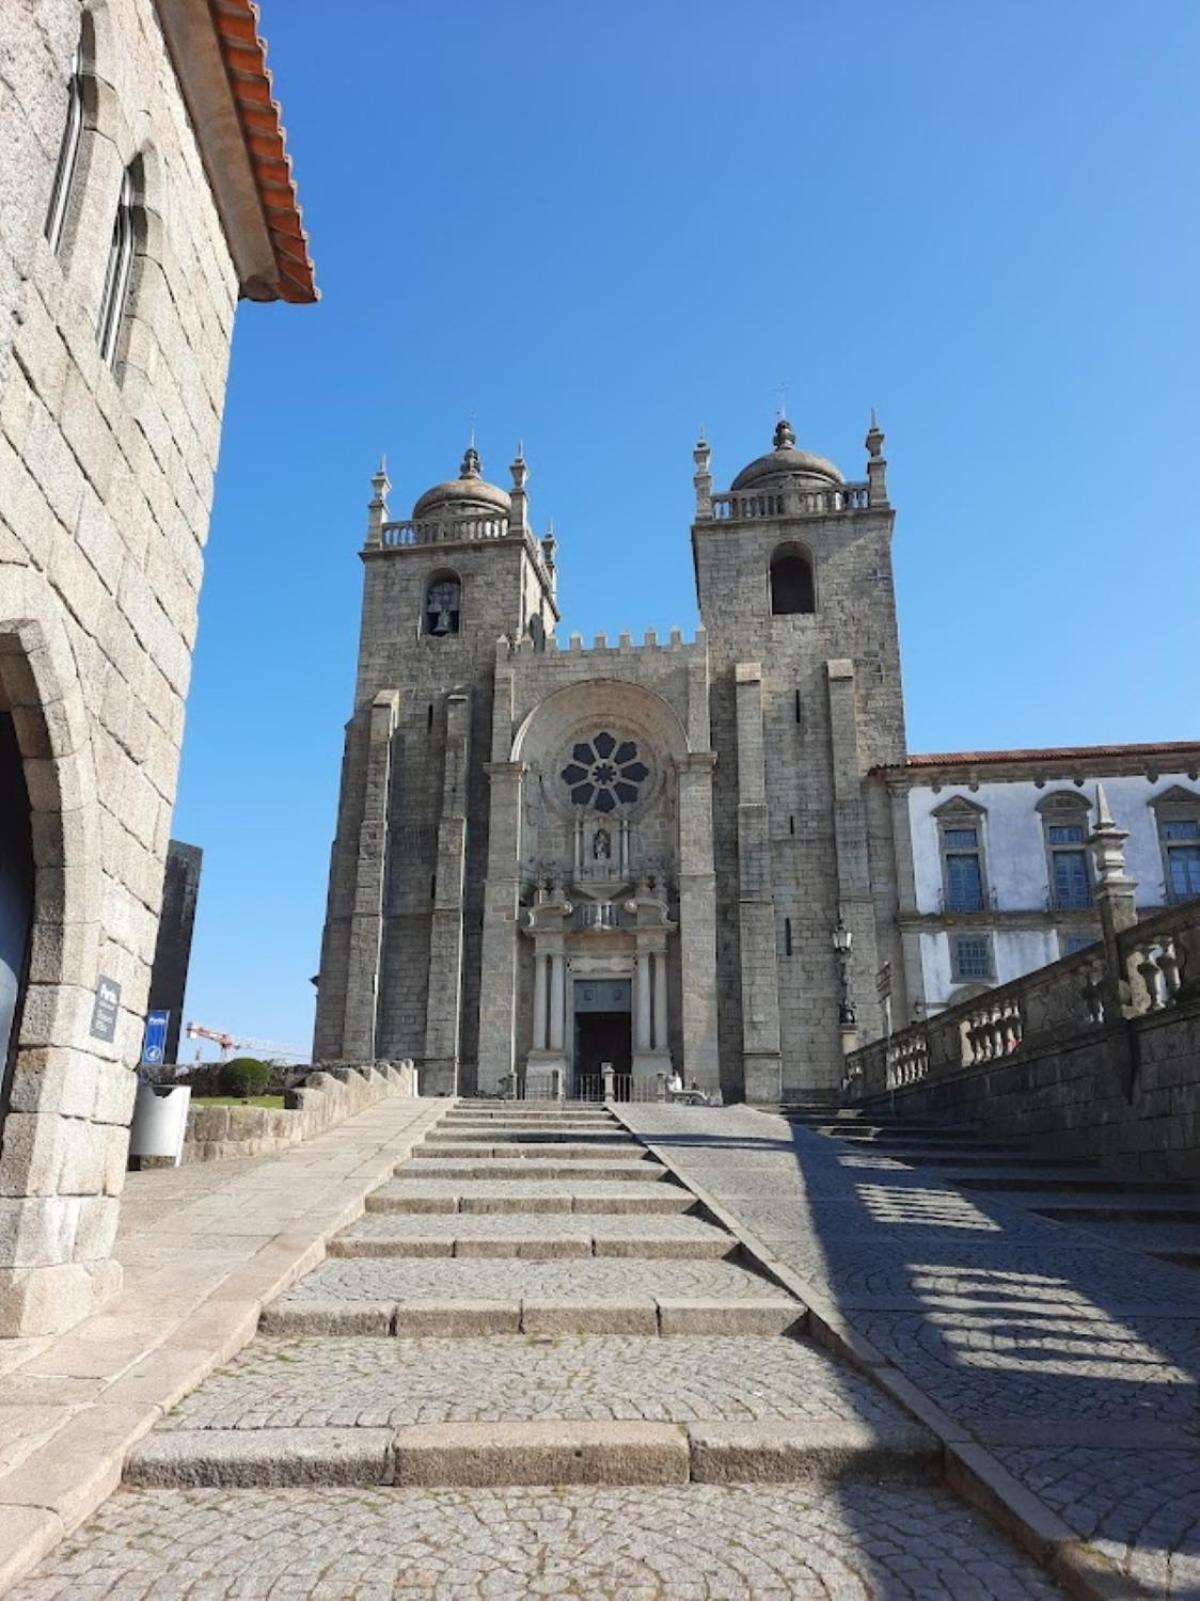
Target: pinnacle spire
1104,817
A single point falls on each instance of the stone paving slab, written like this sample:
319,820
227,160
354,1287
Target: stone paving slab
333,1382
691,1543
527,1196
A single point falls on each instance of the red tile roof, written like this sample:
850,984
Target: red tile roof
244,52
991,758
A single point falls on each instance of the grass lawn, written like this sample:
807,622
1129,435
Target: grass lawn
273,1102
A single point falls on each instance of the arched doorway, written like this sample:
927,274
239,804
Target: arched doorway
16,899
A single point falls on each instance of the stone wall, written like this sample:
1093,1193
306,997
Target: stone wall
831,708
326,1098
1080,1059
106,475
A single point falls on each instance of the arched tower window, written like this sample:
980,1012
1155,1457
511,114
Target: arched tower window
68,153
120,266
443,600
792,589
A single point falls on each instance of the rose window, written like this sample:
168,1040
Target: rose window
605,773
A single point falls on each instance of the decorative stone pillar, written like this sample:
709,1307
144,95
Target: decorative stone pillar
498,987
698,922
642,1043
558,999
660,1001
540,1032
366,921
443,1012
1116,901
762,1061
546,923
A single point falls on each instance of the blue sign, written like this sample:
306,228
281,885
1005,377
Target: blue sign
155,1044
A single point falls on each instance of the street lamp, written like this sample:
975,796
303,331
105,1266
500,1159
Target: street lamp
843,941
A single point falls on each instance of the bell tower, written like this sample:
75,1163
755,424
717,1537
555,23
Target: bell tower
401,948
794,581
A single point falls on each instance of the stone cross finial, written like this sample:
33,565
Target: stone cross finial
377,507
702,478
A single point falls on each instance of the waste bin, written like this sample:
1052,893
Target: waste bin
159,1121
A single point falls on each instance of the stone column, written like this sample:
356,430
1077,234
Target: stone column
660,1001
558,999
644,959
762,1062
366,920
540,1040
498,987
698,921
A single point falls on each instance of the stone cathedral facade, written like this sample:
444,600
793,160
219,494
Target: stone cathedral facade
555,857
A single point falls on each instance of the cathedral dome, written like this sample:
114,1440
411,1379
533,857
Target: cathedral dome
786,462
465,496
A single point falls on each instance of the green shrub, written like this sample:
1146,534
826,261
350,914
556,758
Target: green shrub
245,1077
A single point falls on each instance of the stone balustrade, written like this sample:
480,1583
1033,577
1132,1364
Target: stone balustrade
597,915
443,531
1156,968
790,503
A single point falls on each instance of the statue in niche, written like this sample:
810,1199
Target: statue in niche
602,846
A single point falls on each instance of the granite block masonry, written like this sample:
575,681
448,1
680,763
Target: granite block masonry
126,239
551,859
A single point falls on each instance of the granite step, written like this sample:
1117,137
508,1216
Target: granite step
1001,1158
510,1134
531,1167
413,1281
536,1452
527,1196
1102,1209
622,1150
665,1316
1068,1181
333,1409
677,1237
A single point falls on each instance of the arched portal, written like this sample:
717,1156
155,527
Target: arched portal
16,898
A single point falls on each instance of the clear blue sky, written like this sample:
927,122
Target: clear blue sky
597,226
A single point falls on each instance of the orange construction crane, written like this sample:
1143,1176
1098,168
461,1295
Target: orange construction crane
228,1043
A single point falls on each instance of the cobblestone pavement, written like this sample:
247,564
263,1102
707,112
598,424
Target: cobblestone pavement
1142,1509
855,1529
982,1366
699,1543
334,1381
1074,1358
433,1278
